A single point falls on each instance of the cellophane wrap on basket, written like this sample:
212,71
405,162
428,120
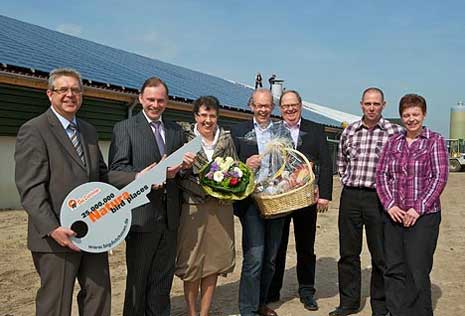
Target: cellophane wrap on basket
285,179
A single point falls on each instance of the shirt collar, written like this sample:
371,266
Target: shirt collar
150,121
296,126
256,125
382,123
215,139
64,122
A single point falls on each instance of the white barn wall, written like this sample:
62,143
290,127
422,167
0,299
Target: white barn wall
9,197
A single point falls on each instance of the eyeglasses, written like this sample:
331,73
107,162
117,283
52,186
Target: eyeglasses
263,106
289,106
64,90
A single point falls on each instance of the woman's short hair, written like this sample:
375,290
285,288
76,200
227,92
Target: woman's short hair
209,102
412,100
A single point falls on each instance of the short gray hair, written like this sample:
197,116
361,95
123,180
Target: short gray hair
60,72
261,90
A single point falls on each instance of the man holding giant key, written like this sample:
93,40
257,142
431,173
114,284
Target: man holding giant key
55,153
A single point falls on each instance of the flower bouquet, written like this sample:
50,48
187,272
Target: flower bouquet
227,179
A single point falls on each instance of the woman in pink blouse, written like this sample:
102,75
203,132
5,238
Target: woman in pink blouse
411,175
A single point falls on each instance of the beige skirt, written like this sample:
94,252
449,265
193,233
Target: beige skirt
205,243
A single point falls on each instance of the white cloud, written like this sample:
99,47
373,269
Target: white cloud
154,45
71,29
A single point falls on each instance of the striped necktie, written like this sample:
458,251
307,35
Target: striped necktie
76,142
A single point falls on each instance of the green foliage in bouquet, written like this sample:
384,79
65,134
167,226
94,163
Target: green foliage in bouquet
227,179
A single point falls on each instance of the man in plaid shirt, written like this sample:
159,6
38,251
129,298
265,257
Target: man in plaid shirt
360,146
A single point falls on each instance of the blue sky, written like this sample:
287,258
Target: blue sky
328,50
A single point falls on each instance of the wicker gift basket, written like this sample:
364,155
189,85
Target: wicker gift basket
278,205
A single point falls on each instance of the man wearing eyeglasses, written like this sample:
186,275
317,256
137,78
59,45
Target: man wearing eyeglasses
308,138
360,146
260,237
56,152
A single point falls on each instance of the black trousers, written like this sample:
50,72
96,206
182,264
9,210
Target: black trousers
360,207
150,260
409,259
304,221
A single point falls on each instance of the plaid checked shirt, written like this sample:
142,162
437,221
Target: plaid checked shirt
359,151
413,176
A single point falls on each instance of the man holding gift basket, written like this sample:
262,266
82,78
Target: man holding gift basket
310,140
260,237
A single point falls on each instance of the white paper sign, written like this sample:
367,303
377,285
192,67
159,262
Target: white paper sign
100,214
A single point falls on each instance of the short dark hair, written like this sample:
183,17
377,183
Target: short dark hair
63,72
373,89
209,102
412,100
290,91
154,82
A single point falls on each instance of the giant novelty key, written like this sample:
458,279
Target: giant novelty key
100,214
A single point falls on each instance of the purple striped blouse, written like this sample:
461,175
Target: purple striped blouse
413,176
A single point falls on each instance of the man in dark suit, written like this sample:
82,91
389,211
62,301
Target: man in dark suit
151,243
56,152
260,237
309,139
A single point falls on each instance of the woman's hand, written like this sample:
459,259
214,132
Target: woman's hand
396,214
411,217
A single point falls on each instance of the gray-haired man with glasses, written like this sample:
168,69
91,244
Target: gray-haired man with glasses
309,138
56,152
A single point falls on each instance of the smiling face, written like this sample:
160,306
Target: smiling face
372,106
262,106
291,108
413,118
66,96
154,101
206,120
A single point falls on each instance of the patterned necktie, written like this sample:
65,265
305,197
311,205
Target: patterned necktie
76,142
160,143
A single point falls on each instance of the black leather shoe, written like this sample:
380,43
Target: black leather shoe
309,303
343,311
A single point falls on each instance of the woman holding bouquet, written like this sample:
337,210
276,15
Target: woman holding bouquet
205,247
410,176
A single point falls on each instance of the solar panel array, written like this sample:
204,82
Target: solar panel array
34,47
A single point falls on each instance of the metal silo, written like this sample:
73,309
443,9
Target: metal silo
457,121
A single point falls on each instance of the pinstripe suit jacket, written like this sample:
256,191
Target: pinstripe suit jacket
48,168
133,147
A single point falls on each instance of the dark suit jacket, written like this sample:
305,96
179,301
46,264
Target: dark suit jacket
244,149
312,143
48,168
133,147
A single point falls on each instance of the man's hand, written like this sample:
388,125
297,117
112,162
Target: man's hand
397,215
62,235
253,161
411,217
322,205
188,160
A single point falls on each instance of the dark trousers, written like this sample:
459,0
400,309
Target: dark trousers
58,273
409,259
358,208
304,221
150,260
260,243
